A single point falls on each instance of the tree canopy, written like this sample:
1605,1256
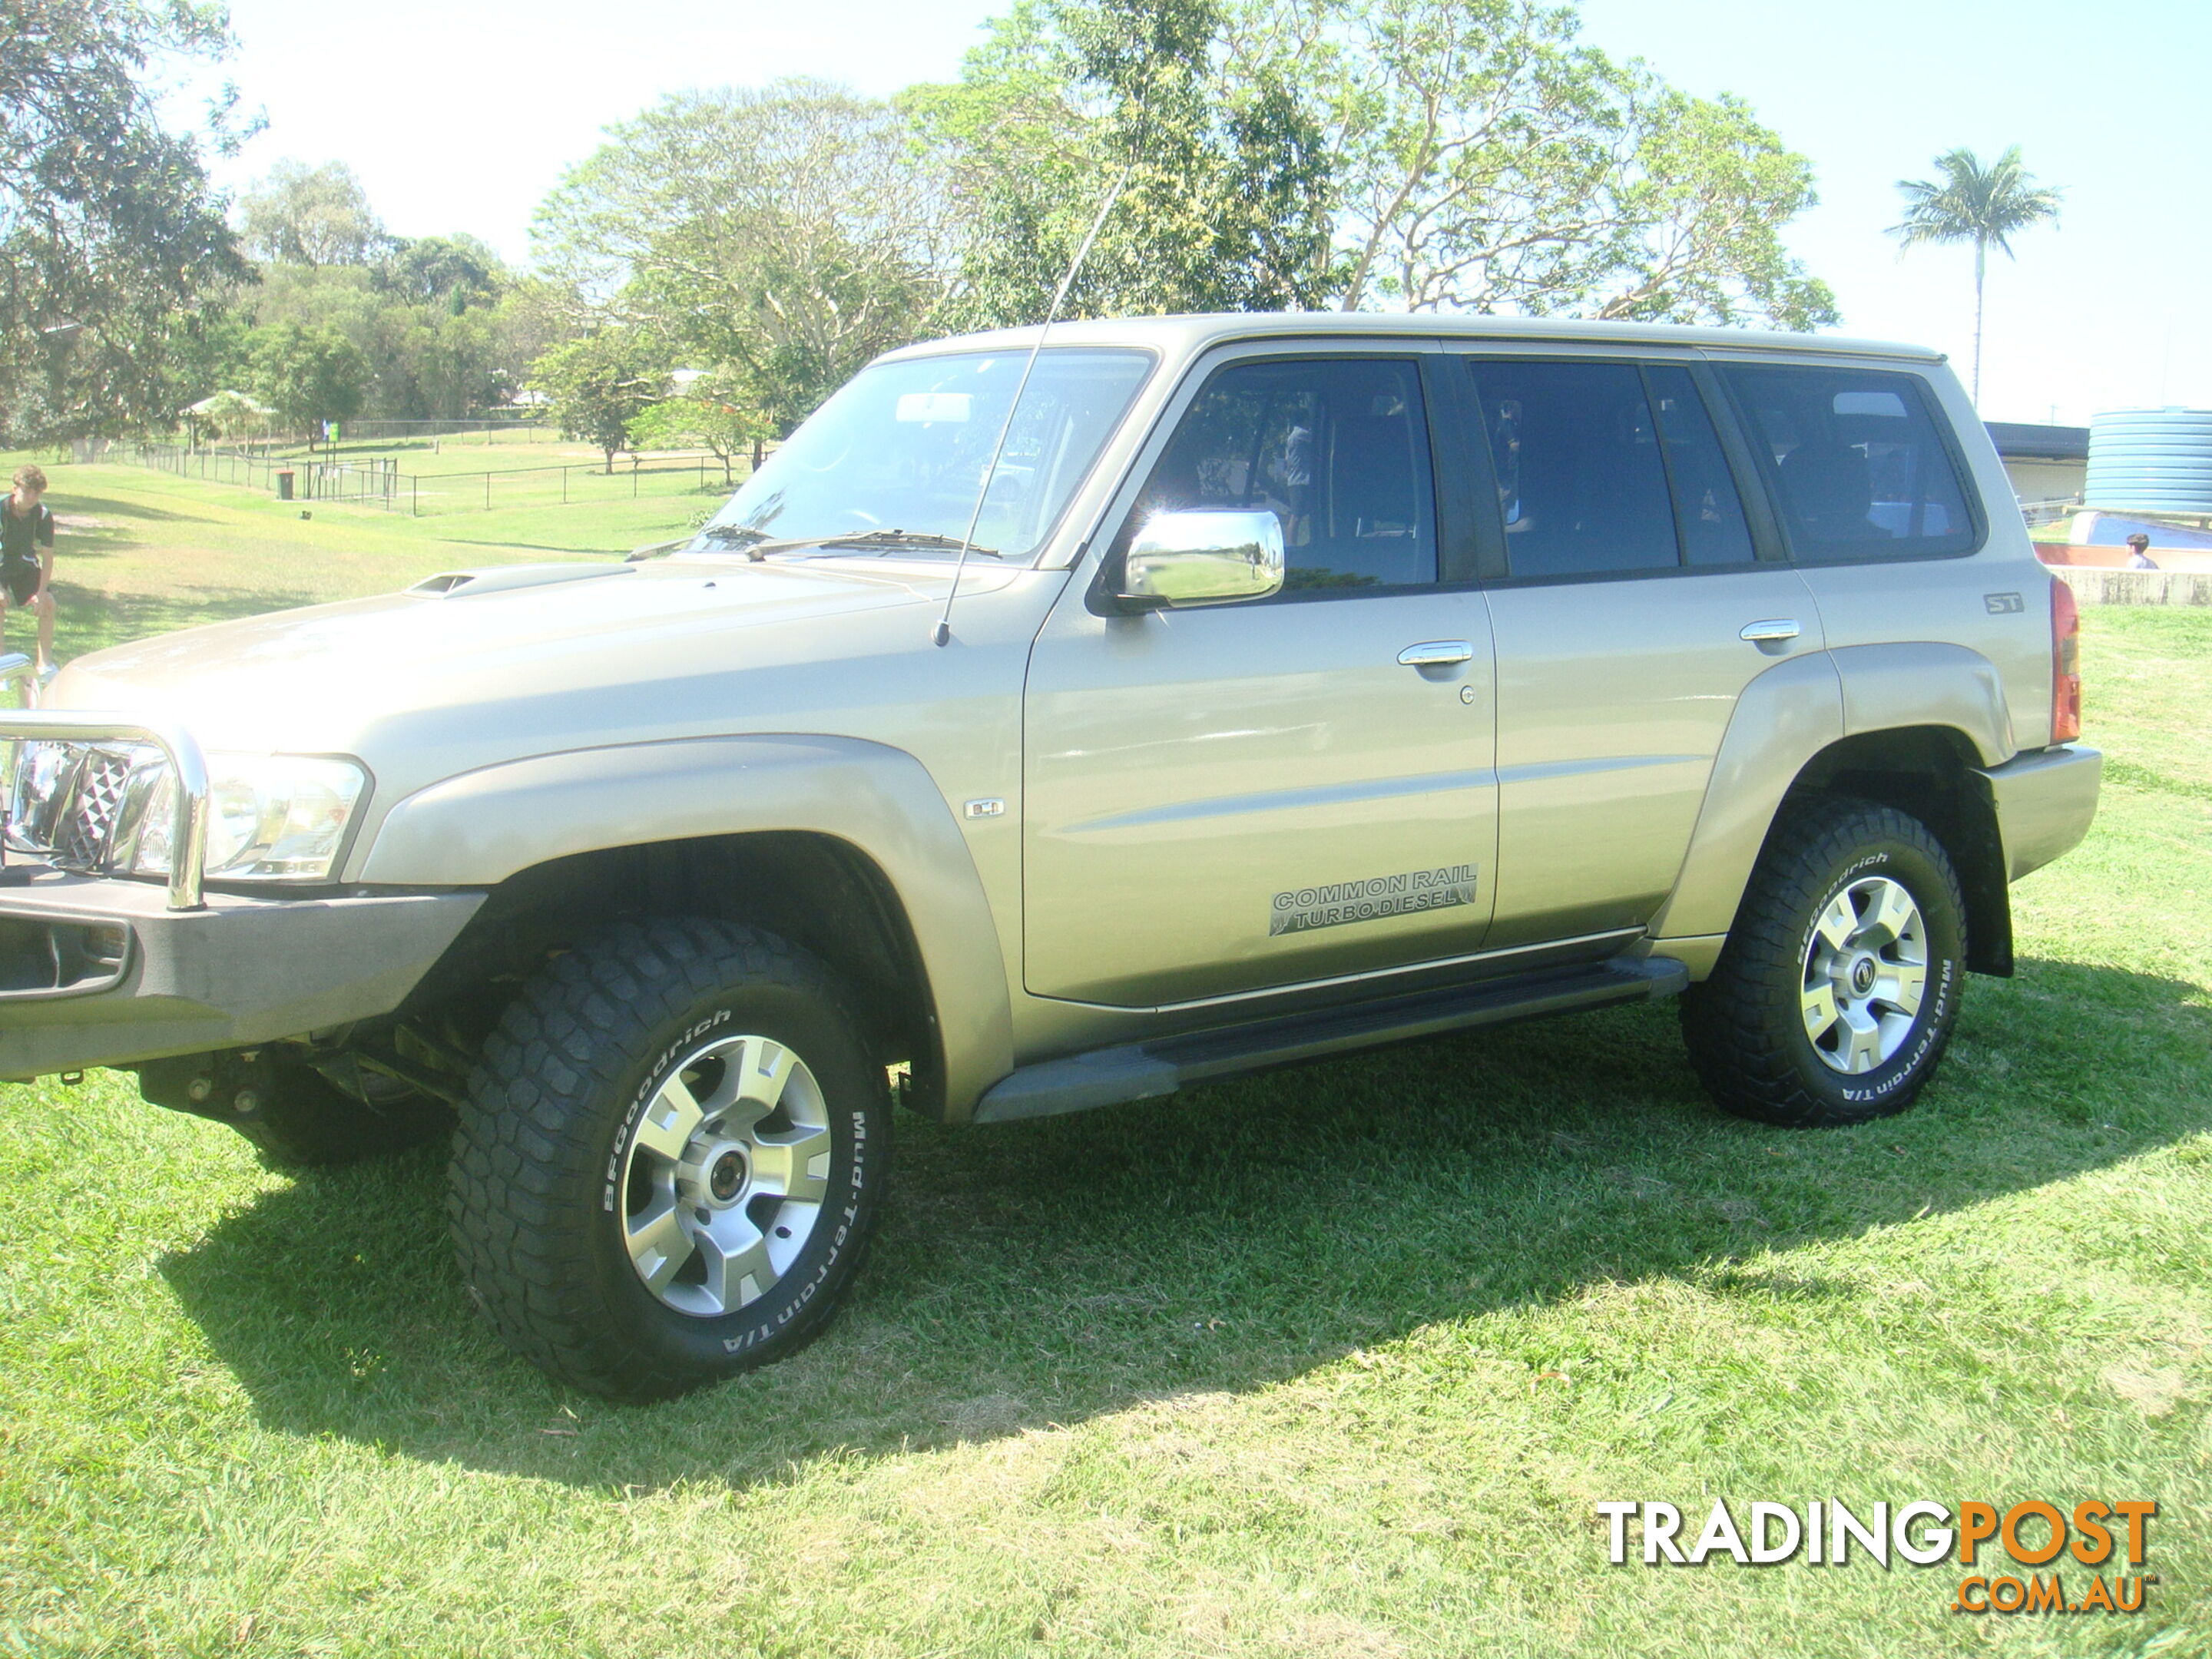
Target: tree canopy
303,215
787,233
112,244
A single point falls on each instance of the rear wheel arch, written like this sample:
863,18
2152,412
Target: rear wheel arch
1930,773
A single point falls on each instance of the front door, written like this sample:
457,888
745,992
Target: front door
1228,797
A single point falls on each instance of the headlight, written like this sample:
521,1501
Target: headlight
270,818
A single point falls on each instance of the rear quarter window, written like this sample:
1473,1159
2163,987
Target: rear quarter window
1856,461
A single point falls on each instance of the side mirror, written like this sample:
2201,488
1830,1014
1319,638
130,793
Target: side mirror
1202,558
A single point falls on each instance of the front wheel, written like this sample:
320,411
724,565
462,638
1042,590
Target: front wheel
670,1160
1835,996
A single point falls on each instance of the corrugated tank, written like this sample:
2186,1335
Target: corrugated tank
2150,459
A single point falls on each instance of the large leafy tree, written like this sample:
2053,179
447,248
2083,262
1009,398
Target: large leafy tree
110,242
303,215
786,232
308,376
1426,155
601,384
1487,159
1225,190
1968,202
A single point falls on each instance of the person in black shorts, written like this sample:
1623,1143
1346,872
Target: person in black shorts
27,559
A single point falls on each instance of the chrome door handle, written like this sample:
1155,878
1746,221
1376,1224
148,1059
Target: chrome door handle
1779,627
1433,653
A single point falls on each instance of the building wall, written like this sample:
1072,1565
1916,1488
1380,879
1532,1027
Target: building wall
2045,480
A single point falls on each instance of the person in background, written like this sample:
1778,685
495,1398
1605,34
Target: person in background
2138,552
26,560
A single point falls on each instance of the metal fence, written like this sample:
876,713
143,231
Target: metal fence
364,481
2037,512
375,481
426,494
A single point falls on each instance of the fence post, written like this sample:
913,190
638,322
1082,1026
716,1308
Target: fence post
487,492
564,486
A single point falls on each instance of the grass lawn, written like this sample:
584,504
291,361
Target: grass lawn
141,552
1335,1361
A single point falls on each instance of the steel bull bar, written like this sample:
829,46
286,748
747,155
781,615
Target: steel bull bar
188,826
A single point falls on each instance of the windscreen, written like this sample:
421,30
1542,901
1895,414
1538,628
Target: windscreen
895,460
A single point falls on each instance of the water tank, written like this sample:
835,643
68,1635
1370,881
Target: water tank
2150,459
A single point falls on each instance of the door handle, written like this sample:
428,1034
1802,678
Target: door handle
1778,628
1433,653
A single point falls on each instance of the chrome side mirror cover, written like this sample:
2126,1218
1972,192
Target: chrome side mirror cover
1202,558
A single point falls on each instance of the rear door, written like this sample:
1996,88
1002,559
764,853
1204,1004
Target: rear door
1226,798
1625,575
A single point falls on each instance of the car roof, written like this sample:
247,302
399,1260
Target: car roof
1185,336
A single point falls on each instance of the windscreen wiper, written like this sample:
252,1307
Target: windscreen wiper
901,538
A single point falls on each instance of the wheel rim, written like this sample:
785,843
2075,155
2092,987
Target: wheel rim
725,1177
1866,972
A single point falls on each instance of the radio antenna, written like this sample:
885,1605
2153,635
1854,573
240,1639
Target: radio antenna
943,632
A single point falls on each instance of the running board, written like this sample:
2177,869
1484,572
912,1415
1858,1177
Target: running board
1146,1071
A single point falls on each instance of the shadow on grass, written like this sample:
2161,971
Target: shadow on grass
68,501
1040,1273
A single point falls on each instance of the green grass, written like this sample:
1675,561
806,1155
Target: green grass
141,552
1335,1361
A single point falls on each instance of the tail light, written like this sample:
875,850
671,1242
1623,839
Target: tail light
2065,664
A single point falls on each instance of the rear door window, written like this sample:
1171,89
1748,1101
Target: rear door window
1708,513
1336,448
1855,460
1575,452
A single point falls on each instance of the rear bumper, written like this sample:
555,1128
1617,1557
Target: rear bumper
2045,801
96,971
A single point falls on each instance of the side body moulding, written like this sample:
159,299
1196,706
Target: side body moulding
479,829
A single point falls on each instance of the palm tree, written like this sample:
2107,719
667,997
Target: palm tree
1977,205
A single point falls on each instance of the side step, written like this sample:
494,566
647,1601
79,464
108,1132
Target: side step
1107,1076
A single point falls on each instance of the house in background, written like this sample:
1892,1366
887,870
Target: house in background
2045,462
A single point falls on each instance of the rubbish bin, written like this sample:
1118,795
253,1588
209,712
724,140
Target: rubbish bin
284,483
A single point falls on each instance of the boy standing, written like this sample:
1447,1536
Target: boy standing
27,559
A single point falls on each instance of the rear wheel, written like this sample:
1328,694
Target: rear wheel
670,1160
1835,998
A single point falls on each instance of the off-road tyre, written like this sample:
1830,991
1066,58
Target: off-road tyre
293,1116
1747,1025
556,1114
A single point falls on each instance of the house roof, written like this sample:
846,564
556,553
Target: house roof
2017,441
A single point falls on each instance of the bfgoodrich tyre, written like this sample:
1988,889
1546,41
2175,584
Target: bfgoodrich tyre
1835,996
670,1160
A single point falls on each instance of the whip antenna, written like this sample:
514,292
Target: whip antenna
943,632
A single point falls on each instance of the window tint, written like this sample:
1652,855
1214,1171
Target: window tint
1581,485
1857,462
1338,450
1707,512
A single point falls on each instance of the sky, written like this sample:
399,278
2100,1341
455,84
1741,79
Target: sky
460,117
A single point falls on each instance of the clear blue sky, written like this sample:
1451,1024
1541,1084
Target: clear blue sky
460,116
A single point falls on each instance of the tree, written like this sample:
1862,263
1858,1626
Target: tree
1225,201
1485,161
112,247
1970,203
788,231
308,376
601,384
714,411
452,271
303,215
